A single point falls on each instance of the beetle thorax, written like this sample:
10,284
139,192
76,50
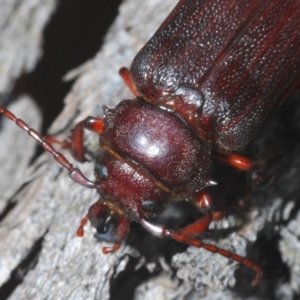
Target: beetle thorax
149,156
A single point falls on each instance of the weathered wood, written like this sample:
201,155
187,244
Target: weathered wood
49,208
21,28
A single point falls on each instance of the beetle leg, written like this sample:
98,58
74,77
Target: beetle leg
258,176
65,144
160,231
80,230
203,203
125,74
109,250
234,160
95,125
197,227
75,142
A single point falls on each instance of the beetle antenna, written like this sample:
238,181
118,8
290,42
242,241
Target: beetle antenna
214,249
74,173
177,236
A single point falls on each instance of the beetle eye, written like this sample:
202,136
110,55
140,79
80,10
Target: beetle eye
101,171
151,206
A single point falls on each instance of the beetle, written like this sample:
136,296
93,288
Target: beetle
203,85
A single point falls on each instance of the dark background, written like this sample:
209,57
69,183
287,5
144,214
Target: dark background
74,34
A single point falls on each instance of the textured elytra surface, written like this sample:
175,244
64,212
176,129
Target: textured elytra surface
206,47
72,268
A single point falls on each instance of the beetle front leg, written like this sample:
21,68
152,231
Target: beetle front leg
234,160
258,176
198,226
95,125
75,142
202,201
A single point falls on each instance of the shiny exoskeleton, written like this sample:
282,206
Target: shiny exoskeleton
204,84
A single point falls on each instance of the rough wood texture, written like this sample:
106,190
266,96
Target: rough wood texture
41,226
21,29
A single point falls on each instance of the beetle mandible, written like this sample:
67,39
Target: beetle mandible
203,85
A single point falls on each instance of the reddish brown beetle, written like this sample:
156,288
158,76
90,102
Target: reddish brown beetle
204,84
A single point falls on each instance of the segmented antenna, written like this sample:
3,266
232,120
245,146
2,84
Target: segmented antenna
74,173
160,231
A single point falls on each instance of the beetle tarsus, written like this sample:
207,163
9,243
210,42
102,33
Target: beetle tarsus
80,230
109,250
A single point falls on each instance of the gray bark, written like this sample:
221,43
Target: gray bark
48,206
